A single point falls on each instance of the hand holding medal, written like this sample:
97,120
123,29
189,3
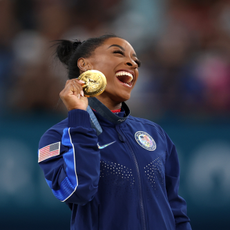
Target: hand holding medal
90,83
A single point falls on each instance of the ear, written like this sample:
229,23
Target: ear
83,64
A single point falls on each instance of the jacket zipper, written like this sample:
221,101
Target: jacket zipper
141,202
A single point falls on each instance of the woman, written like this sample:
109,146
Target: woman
114,171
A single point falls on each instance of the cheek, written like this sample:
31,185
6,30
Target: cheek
110,84
105,68
102,61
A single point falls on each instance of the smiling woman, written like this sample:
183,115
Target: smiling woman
113,170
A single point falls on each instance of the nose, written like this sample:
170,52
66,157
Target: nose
132,63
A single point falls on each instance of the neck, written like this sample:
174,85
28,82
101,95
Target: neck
109,103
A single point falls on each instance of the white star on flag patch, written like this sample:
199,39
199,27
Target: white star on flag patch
49,151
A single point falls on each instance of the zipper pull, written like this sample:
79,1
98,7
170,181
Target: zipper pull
120,136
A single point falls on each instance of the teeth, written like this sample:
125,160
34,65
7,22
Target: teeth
122,73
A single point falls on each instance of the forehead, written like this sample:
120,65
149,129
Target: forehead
116,41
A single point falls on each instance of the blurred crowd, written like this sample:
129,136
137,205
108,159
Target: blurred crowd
184,47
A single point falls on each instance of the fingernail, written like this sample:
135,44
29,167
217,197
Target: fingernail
82,93
81,81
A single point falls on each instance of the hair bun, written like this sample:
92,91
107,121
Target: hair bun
65,49
76,44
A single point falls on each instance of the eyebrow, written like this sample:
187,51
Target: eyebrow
134,55
117,46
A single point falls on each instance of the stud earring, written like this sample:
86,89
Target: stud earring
86,69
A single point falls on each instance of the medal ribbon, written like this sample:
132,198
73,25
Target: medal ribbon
94,122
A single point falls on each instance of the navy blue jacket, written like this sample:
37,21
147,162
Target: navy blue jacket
126,178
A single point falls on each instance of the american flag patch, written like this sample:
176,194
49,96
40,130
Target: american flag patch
49,151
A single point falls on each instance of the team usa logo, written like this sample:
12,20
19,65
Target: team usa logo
145,141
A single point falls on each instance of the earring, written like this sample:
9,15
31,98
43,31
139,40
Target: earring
87,68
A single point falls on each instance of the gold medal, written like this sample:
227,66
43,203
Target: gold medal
95,82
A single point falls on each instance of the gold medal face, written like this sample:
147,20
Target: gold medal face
95,82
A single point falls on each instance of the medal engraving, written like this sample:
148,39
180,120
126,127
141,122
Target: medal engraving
95,82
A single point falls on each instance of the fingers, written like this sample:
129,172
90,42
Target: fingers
82,83
73,95
73,87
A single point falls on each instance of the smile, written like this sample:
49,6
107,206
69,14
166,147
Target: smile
125,77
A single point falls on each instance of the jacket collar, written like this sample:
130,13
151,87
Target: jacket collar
95,104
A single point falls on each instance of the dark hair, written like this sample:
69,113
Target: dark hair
69,52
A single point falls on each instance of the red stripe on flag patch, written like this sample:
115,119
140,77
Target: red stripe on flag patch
49,151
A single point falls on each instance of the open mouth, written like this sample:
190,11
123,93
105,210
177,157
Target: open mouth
125,77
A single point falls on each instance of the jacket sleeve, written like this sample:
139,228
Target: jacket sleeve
177,203
74,173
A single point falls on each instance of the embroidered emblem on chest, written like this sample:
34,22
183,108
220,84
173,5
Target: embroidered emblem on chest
145,140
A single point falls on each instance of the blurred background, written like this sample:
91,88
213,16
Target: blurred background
184,85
